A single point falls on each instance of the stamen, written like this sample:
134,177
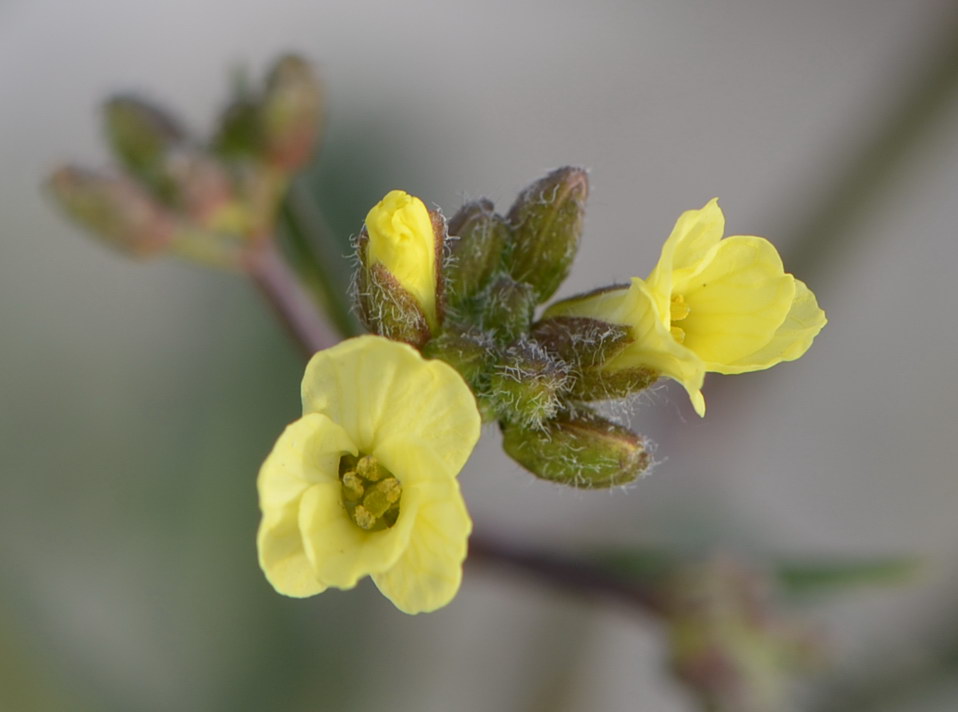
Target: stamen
679,308
363,518
371,493
353,489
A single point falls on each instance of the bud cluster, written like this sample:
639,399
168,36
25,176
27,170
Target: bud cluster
730,642
210,201
466,291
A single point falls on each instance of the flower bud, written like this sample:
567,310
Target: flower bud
398,286
546,223
141,134
527,386
205,194
291,114
588,345
115,209
239,135
506,309
729,642
579,449
478,235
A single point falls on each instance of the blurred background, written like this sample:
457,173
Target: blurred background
138,400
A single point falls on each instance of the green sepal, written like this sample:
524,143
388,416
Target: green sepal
477,237
505,308
239,135
546,225
527,386
387,309
141,135
580,449
586,344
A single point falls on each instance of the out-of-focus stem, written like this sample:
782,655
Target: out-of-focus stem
294,307
569,573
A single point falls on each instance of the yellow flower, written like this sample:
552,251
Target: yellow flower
710,305
365,482
402,239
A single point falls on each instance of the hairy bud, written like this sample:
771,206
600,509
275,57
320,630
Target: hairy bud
398,286
588,345
527,385
506,308
546,223
475,249
579,449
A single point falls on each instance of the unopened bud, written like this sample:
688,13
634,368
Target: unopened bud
546,223
580,449
205,193
141,134
730,643
115,209
506,308
587,345
291,113
477,236
398,286
240,134
527,385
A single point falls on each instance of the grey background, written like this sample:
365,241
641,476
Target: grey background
136,401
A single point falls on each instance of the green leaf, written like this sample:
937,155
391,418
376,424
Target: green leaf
826,575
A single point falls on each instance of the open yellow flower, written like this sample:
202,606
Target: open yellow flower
402,238
365,482
710,304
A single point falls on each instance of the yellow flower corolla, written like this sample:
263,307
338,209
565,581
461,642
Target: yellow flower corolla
402,239
710,305
411,423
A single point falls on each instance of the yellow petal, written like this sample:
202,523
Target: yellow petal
340,552
694,234
737,298
391,400
308,451
792,339
655,347
282,556
428,574
402,239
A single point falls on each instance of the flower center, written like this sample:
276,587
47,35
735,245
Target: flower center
371,493
679,310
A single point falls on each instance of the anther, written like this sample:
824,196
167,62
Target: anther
679,309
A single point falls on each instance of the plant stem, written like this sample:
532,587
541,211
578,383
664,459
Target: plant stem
278,284
295,309
573,574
